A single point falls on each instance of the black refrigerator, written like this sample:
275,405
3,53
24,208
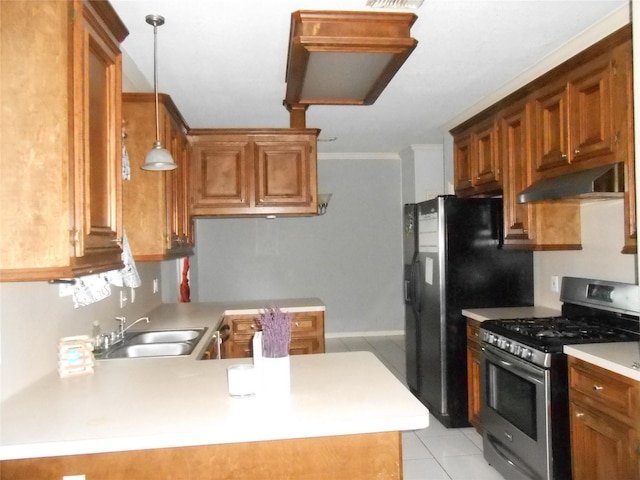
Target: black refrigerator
453,259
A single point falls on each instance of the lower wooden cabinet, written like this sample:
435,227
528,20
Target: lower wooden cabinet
307,334
605,423
371,455
473,373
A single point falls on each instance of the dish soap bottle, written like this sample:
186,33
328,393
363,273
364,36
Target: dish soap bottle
96,331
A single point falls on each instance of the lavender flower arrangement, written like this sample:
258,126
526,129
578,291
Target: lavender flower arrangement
276,332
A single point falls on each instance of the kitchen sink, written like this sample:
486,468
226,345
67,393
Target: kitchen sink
151,350
164,336
154,343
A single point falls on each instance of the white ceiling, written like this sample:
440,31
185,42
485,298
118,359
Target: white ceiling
223,62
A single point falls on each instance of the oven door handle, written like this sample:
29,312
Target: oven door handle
521,368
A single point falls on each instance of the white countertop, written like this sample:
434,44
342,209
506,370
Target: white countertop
617,357
134,404
482,314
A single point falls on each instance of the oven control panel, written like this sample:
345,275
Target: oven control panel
515,348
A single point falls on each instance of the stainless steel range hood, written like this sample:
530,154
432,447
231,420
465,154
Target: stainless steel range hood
597,183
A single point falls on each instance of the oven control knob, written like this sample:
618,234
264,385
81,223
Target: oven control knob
527,354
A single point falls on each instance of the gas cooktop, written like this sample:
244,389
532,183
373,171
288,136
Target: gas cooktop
550,334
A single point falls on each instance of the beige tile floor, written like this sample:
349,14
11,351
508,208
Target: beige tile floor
435,452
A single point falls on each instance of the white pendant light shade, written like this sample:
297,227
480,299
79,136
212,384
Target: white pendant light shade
158,158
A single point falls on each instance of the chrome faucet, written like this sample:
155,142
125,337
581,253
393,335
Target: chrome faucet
118,335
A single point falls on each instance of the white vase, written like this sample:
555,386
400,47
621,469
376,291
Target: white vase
276,376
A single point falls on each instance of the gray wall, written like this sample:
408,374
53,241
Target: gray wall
33,318
351,257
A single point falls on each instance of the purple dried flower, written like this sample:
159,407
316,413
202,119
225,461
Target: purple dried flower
276,332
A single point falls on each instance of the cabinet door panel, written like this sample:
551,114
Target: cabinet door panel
97,158
178,222
591,123
303,346
485,168
223,176
551,129
282,175
515,150
462,163
602,447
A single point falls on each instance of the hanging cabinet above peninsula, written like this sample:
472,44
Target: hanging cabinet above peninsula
60,181
254,172
576,117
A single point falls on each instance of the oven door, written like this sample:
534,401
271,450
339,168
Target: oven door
515,396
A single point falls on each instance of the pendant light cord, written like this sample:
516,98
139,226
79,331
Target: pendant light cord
155,79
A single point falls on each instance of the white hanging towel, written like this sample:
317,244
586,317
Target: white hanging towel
90,289
127,276
126,165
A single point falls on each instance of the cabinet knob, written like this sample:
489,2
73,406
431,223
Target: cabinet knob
597,388
563,156
579,415
576,151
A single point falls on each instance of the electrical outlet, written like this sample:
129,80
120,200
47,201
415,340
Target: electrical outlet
132,295
555,283
74,477
123,299
155,285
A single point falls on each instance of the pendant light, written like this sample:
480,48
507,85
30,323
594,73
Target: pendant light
158,158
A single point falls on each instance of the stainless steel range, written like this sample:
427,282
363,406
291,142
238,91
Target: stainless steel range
525,401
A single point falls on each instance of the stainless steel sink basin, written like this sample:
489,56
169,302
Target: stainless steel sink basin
155,343
151,350
163,336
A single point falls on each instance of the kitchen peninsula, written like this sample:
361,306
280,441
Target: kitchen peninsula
173,417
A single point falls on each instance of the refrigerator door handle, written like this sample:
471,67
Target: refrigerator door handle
407,289
415,283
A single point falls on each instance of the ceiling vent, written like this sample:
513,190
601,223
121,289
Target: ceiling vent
394,3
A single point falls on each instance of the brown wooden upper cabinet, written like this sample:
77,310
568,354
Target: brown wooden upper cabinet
530,226
237,172
155,204
477,166
576,117
61,138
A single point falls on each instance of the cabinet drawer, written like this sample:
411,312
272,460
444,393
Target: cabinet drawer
306,324
606,390
473,334
244,325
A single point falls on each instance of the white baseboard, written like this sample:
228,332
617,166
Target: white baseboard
386,333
